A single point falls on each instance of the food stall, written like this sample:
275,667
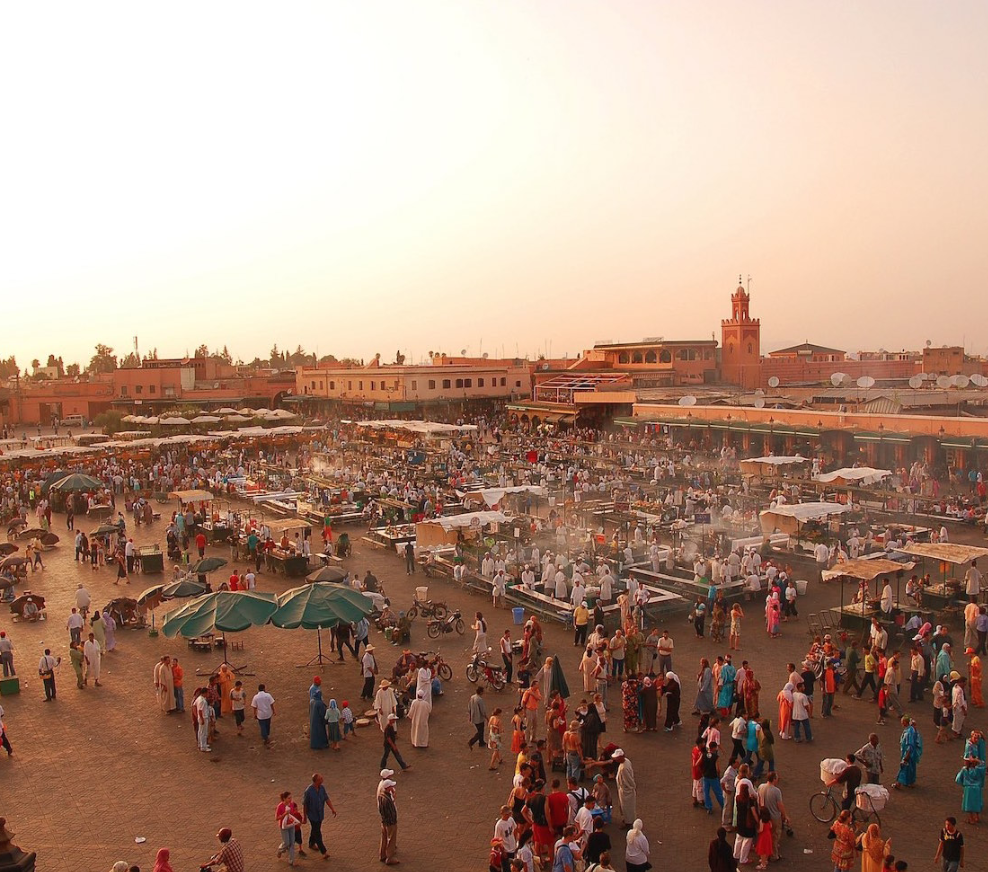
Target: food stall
290,561
151,558
857,615
941,597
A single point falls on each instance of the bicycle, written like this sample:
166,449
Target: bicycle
825,807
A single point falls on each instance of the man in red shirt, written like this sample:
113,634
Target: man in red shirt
558,803
235,581
201,544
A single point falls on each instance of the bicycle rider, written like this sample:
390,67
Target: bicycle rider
851,779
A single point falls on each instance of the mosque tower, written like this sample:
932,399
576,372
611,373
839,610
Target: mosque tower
740,337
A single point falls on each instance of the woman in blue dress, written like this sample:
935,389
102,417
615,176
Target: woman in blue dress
972,779
725,695
317,721
333,715
910,753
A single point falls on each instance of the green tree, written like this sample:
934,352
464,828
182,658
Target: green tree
202,351
72,370
131,361
104,360
225,355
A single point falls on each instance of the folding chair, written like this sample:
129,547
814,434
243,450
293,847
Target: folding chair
813,624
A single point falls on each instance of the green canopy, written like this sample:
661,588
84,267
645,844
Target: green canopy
207,564
320,605
184,587
227,611
327,573
77,482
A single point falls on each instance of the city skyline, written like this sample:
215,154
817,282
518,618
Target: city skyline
525,179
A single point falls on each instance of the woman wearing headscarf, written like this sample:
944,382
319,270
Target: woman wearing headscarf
972,778
650,703
704,703
591,727
332,717
672,692
99,629
161,861
910,753
785,710
636,850
225,678
110,627
874,849
725,687
720,855
317,721
630,704
418,714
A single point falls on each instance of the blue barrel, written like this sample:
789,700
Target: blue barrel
519,615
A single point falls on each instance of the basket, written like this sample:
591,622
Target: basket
871,797
801,586
421,594
830,769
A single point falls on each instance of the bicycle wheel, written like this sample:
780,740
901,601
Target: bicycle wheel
472,674
440,611
459,626
435,629
412,613
823,807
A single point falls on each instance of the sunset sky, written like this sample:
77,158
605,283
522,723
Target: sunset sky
527,176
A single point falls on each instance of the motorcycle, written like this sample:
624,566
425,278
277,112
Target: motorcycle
428,608
439,627
438,665
493,675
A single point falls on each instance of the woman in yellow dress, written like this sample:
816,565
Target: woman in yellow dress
224,679
974,680
874,849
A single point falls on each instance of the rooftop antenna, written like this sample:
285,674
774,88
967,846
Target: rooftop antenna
749,284
137,352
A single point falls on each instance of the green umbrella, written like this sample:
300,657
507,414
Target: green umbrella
207,564
558,681
227,611
327,573
105,530
77,482
184,587
318,605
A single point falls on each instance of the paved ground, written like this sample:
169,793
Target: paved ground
101,767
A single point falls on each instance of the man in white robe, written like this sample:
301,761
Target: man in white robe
93,654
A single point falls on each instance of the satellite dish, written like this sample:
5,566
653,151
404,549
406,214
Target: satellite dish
837,379
688,400
759,402
916,382
929,342
943,381
979,380
759,393
866,381
962,381
773,382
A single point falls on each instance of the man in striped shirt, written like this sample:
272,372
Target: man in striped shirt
389,817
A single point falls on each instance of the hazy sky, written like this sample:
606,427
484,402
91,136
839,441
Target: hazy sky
359,177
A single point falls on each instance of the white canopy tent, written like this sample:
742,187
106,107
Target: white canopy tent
853,475
788,518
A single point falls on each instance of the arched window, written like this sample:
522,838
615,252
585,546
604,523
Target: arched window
730,348
623,357
665,356
650,357
636,357
683,354
750,348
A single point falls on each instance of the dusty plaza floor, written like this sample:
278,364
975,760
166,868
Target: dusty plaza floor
101,767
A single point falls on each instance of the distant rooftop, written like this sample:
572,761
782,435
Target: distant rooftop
808,348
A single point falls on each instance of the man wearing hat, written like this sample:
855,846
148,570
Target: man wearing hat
388,810
626,787
368,669
391,742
